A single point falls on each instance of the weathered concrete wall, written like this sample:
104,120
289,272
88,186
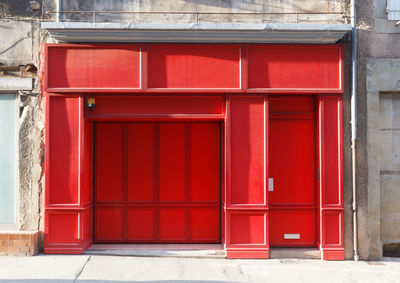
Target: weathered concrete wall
383,124
190,11
20,39
20,8
377,38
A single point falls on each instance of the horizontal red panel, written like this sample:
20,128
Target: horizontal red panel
294,67
93,67
187,66
64,145
264,254
157,105
63,228
290,105
246,228
293,223
155,68
334,254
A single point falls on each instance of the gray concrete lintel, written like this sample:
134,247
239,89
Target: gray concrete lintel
8,84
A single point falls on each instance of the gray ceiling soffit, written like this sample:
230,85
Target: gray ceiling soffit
196,33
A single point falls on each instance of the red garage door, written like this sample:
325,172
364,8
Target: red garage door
157,182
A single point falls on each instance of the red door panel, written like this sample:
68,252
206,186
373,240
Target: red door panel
157,182
292,165
293,157
287,223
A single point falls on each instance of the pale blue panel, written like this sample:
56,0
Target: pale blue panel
8,151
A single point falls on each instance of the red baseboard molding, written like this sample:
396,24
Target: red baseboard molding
264,254
68,249
337,254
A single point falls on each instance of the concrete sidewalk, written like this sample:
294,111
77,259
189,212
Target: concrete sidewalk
97,269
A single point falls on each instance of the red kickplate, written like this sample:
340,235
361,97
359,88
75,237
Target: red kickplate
157,182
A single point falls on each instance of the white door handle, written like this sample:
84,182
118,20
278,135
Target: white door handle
270,184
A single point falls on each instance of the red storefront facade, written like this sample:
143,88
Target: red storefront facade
238,144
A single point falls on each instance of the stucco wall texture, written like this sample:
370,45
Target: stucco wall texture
20,40
204,11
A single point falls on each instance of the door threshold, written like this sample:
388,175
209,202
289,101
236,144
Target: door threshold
159,250
302,253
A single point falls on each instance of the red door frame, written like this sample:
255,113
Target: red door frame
68,163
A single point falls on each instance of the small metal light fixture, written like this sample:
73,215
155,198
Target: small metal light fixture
91,103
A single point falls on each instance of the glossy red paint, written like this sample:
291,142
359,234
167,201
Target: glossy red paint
292,165
157,107
183,68
157,182
88,67
246,215
331,180
226,87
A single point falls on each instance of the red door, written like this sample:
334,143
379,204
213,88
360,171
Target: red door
157,182
292,172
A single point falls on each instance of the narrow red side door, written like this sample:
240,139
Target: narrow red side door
292,172
157,182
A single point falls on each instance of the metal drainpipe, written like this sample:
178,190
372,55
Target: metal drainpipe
353,105
59,7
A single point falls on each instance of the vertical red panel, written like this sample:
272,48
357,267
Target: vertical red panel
87,153
205,162
246,200
63,147
68,177
108,154
331,180
247,133
141,162
172,162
